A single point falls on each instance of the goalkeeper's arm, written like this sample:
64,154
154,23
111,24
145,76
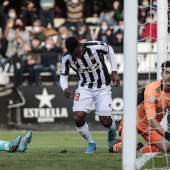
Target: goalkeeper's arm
158,128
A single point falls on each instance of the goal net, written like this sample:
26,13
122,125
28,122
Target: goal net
153,48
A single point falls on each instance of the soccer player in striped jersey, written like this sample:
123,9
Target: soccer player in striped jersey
153,102
87,60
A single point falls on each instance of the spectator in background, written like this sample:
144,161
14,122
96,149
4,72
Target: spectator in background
117,11
32,59
49,58
17,38
60,9
149,32
105,33
3,45
118,38
74,12
3,15
3,48
95,7
47,12
37,31
107,15
29,10
7,18
29,64
144,7
111,15
63,33
10,21
82,32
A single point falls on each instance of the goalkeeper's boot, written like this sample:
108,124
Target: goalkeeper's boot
111,137
13,145
91,148
24,142
111,149
139,147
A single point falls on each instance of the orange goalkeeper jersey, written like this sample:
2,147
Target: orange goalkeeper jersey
152,103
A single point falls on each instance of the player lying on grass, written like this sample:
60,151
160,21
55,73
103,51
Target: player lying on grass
87,60
17,145
153,102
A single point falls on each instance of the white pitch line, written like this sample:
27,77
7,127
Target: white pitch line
143,159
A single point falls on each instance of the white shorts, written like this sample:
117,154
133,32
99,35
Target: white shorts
102,99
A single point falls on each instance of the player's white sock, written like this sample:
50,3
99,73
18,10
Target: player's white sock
113,125
4,145
85,133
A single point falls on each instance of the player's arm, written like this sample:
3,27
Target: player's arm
111,57
150,109
64,86
156,126
64,72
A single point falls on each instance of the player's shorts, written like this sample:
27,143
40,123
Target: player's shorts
151,138
101,97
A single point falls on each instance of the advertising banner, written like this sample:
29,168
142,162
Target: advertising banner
47,104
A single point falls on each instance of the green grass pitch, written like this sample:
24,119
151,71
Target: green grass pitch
63,150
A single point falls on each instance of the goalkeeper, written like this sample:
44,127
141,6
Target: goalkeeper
153,102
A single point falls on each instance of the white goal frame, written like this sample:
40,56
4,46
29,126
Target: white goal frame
130,73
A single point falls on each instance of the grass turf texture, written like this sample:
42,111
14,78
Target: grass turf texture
62,151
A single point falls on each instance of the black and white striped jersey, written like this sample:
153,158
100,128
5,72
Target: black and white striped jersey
90,68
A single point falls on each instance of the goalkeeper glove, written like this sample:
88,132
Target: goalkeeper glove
167,136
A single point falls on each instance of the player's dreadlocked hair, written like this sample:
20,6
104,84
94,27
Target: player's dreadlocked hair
71,43
165,65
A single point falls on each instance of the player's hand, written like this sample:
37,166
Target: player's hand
115,78
67,93
167,136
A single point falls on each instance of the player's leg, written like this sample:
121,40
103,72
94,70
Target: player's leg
82,105
103,103
24,142
157,143
10,146
118,145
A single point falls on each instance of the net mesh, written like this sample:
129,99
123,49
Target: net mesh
147,65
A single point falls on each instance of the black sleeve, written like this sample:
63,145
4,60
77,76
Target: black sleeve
140,97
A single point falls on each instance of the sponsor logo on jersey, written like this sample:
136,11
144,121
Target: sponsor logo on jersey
152,99
88,69
91,57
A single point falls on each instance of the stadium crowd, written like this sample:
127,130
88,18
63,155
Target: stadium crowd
33,32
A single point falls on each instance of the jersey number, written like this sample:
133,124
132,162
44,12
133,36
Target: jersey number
77,97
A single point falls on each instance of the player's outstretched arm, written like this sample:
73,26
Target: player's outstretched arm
156,126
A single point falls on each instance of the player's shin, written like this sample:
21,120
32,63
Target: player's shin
85,133
112,124
4,145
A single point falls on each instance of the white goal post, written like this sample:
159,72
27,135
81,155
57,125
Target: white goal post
162,42
130,73
130,84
